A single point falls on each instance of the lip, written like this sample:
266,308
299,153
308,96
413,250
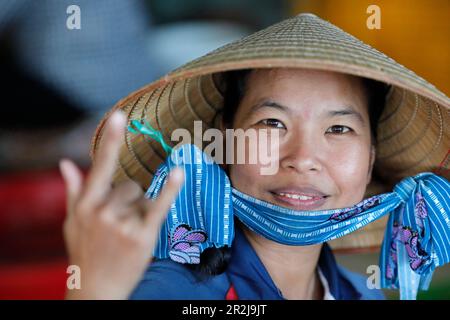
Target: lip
317,198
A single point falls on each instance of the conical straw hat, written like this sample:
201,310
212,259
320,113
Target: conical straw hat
413,131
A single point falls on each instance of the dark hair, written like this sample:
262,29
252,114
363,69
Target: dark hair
214,261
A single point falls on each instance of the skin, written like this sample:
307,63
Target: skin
332,154
110,233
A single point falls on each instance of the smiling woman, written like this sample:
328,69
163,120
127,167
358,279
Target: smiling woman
229,232
324,138
326,142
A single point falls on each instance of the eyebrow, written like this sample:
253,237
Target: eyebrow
346,111
269,103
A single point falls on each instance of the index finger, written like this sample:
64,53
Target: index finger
98,182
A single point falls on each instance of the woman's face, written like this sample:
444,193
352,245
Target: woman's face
325,156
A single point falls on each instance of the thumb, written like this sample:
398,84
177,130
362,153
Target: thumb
159,208
73,179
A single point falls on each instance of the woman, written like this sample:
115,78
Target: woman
304,86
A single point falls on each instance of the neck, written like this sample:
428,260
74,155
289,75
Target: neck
293,269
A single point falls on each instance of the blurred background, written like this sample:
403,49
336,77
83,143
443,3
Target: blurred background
57,82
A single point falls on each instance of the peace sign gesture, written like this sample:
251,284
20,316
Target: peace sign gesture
111,233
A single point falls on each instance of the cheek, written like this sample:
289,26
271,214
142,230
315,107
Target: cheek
250,159
348,168
245,177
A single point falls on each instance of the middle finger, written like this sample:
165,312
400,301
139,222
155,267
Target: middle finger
98,182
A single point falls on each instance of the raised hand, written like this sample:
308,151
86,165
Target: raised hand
110,233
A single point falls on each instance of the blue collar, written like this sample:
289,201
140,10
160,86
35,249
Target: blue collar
252,281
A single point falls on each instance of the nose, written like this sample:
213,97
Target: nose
300,153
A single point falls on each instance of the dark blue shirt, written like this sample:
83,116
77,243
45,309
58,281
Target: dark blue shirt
166,279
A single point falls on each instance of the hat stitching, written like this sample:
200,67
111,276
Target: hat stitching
188,100
157,109
204,81
144,140
128,143
444,163
156,147
415,141
172,112
217,91
406,126
384,117
426,154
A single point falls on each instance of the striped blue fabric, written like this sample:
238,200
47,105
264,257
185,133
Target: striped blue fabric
417,237
203,203
202,216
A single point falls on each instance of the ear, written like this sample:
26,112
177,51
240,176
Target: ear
371,163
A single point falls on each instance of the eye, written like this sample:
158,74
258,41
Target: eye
339,129
273,123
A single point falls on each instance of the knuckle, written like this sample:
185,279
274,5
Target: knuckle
125,191
82,221
147,205
83,207
134,189
163,205
138,239
131,236
104,216
130,184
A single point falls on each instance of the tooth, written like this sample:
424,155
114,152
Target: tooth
295,196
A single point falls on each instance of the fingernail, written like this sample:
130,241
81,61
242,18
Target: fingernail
176,174
62,167
117,118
